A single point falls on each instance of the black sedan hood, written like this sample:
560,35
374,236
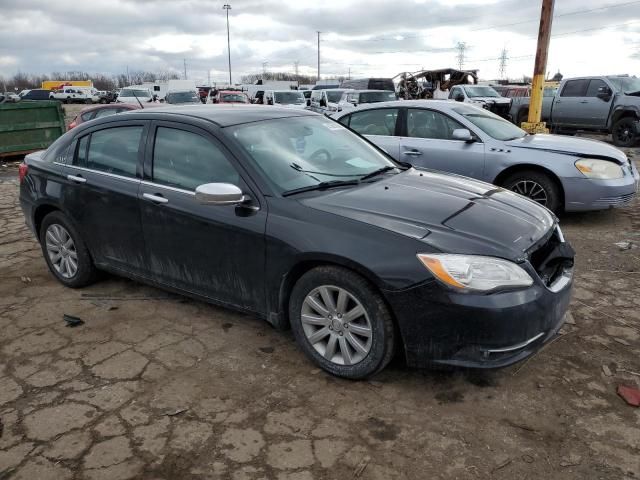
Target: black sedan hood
451,213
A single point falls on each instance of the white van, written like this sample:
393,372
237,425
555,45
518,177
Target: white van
134,95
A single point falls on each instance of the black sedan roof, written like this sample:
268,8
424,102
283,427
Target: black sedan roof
226,115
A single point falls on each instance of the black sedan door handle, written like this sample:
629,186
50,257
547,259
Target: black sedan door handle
77,178
155,198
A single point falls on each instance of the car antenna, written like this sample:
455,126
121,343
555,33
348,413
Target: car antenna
134,94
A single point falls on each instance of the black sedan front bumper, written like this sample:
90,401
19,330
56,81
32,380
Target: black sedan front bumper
440,326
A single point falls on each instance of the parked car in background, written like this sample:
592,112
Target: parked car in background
36,94
369,84
292,217
285,98
182,98
135,96
561,173
608,104
23,92
100,111
230,96
483,96
326,100
10,97
107,97
521,96
353,98
72,95
307,96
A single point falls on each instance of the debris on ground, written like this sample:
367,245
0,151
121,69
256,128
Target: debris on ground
606,370
72,321
25,279
631,395
571,461
176,412
360,468
501,465
624,245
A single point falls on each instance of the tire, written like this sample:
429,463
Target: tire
86,272
523,116
522,183
622,132
375,316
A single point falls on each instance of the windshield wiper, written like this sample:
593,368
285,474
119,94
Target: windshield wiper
377,172
320,186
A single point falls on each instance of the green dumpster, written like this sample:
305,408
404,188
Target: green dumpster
27,126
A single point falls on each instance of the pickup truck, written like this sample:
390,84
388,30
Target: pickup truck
608,104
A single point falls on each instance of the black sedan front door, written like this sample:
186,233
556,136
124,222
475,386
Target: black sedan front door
215,251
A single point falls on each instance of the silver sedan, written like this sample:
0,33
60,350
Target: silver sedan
561,173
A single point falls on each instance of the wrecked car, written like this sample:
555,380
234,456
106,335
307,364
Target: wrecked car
482,96
436,84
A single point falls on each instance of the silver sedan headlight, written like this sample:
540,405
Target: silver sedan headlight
600,169
475,272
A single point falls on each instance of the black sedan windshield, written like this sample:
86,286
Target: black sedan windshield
305,151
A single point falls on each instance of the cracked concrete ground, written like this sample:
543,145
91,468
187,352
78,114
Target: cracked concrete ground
155,386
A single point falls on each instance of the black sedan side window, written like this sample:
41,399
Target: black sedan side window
113,150
375,122
183,159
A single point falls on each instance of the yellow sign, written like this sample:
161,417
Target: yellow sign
57,84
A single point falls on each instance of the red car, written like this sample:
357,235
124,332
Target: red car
230,96
99,111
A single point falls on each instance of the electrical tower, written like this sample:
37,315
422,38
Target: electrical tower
461,47
503,64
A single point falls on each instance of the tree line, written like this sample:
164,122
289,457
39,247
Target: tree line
283,76
22,80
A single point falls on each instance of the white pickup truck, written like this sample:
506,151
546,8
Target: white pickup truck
75,95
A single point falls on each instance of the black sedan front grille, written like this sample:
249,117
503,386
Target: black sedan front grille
552,258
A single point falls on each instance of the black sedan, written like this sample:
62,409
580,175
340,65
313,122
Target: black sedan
295,218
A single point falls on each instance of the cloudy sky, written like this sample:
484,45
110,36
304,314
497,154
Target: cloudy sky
369,37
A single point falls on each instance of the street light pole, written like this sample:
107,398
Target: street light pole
227,7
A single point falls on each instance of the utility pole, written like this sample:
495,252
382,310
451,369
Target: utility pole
349,74
533,123
208,77
128,77
227,7
503,64
319,55
264,68
184,60
295,66
461,47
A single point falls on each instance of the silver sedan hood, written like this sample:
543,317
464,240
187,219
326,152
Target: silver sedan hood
579,147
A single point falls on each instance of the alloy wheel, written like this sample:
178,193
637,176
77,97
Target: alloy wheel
623,133
531,189
61,250
337,325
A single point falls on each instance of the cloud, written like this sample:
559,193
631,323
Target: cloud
370,37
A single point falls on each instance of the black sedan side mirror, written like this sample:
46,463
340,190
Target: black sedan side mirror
219,194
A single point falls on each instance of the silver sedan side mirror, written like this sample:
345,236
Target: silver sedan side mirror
462,134
219,194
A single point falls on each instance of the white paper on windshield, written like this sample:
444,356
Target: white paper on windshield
360,163
332,126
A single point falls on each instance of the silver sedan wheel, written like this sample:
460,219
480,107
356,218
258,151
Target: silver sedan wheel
61,250
531,189
336,325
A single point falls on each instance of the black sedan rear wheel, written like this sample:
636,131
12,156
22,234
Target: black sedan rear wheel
537,186
623,132
65,252
341,323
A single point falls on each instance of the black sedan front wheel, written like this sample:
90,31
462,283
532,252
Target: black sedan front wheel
537,186
341,323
